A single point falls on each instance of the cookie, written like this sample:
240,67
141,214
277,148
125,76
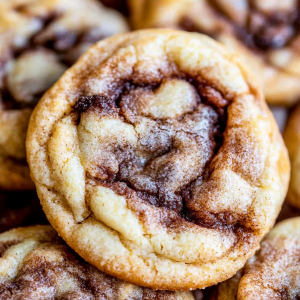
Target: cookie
39,40
265,34
36,264
273,273
156,159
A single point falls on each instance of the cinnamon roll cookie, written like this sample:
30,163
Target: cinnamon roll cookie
265,33
273,273
36,264
156,158
292,140
39,40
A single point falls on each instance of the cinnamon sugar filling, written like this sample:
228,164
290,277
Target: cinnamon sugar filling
174,147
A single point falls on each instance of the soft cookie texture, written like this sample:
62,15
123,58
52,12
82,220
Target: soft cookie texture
292,140
39,40
264,32
157,160
273,273
36,264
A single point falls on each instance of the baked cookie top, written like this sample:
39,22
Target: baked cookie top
39,40
36,264
265,33
160,144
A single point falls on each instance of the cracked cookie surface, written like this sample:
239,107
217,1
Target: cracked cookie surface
36,264
39,40
265,34
158,160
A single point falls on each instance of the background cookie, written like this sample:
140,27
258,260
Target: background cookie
273,272
36,264
157,160
39,40
265,34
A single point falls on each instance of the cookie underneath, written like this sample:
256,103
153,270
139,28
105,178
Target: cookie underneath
36,264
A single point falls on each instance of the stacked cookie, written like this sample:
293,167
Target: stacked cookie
36,264
153,152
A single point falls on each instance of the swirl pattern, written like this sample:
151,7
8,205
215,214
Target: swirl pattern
39,40
159,163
